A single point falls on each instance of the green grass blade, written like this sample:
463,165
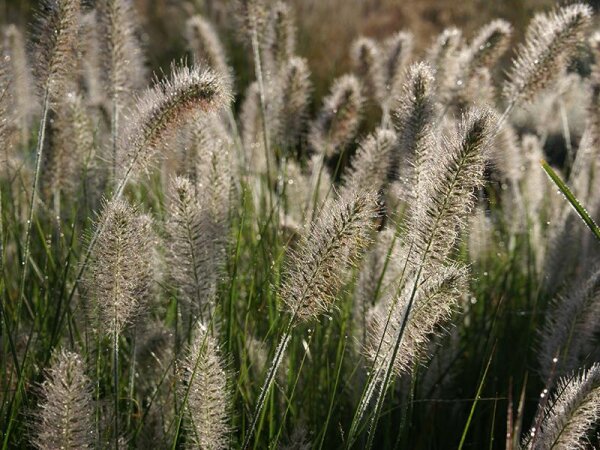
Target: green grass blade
475,401
572,199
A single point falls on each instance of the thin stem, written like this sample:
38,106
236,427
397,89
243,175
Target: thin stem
263,108
116,384
475,401
132,376
341,350
566,134
274,442
281,347
579,209
114,130
36,179
375,378
388,370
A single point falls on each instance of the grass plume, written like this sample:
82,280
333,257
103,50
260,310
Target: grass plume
339,117
206,48
167,105
316,269
120,268
204,389
64,418
551,38
573,411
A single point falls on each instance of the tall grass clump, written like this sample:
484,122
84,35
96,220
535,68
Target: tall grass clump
238,252
56,33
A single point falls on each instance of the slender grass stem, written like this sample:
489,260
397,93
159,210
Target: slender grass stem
291,396
341,351
263,108
268,383
572,199
114,134
116,384
33,197
475,401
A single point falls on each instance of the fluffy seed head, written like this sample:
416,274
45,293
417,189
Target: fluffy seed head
443,56
122,57
339,117
295,89
71,145
252,126
435,299
6,119
280,41
65,416
367,61
413,121
381,268
253,17
506,156
396,52
563,248
447,190
316,270
163,108
189,263
444,46
372,164
90,58
594,103
14,57
568,334
250,116
56,36
206,48
535,180
213,167
204,380
572,413
488,45
196,245
120,267
550,40
584,172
